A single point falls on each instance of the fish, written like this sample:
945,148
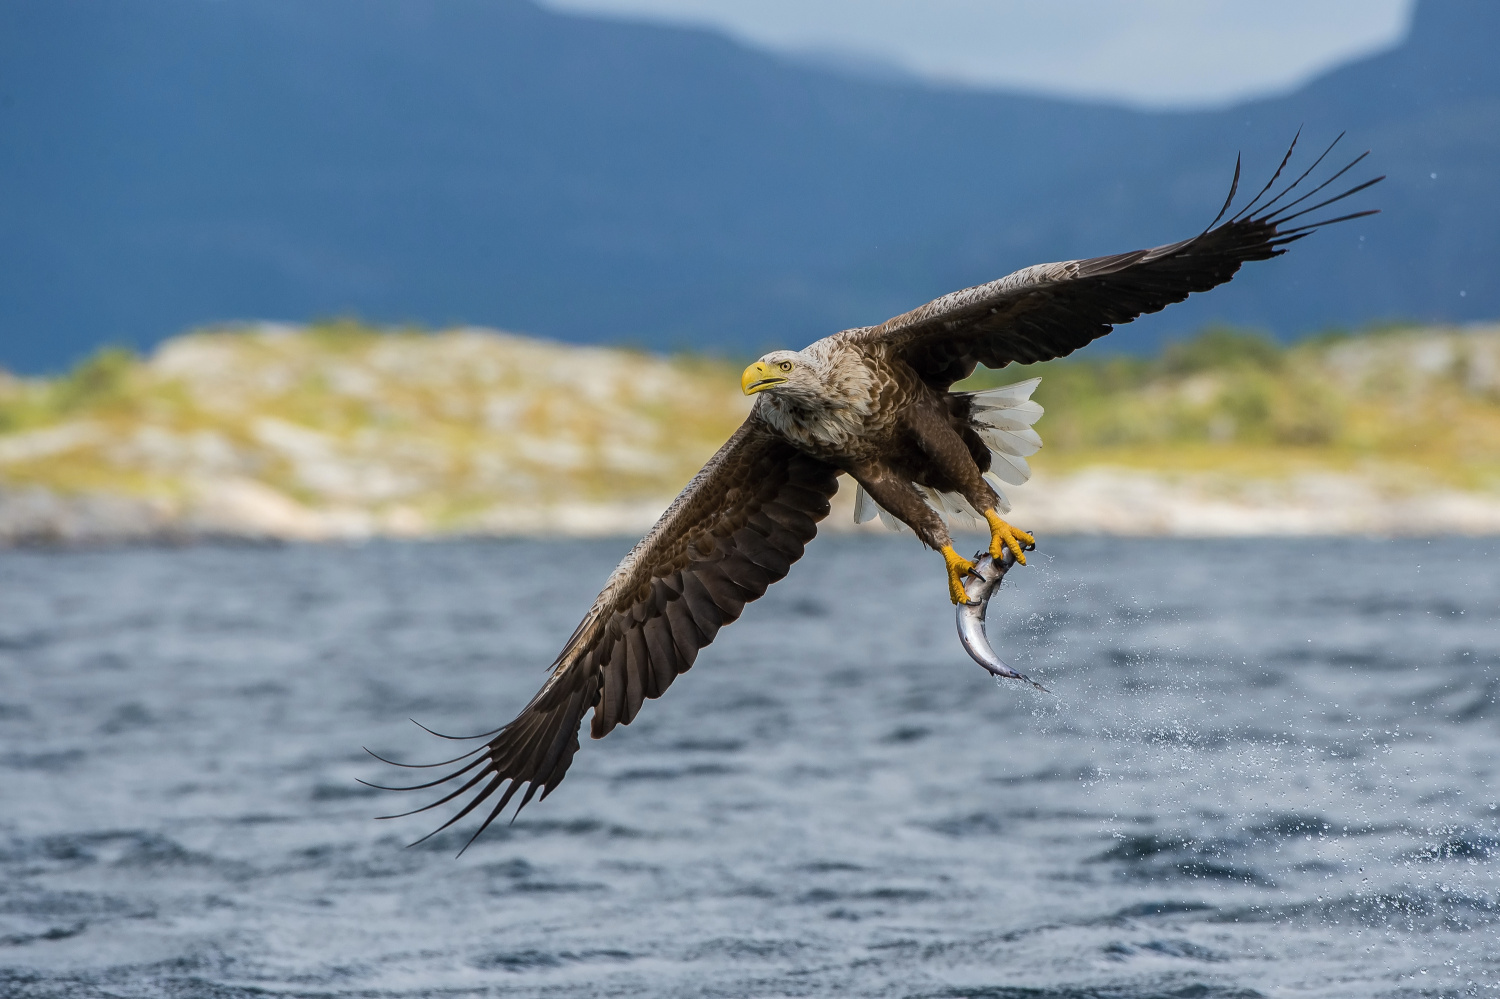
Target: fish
980,582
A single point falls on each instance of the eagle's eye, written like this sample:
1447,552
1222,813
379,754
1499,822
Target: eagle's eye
785,365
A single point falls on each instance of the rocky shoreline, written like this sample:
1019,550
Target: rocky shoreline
273,433
1102,501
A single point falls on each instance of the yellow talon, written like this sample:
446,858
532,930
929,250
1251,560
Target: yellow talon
958,566
1003,536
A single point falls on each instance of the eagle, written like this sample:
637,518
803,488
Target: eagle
875,403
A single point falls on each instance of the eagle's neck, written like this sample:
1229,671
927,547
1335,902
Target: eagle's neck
837,413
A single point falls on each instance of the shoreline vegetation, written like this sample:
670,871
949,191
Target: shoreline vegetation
338,431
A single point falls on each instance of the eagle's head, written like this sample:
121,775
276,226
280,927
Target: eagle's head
788,375
817,397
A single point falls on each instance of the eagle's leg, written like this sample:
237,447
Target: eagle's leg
957,462
958,568
896,495
1003,536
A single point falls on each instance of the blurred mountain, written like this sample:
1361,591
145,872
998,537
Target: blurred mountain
165,163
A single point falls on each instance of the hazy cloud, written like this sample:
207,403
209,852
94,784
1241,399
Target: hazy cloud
1156,53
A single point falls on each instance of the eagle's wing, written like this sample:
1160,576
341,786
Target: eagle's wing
1050,310
733,531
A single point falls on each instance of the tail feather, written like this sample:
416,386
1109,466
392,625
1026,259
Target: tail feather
1003,418
1005,396
1021,442
865,507
1010,468
994,480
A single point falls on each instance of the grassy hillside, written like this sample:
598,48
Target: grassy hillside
396,431
1418,403
341,430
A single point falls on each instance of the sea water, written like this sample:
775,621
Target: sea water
1266,768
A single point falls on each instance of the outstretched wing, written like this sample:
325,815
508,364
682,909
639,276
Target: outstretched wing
736,529
1050,310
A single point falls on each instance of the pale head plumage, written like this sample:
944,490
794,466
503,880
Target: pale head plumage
790,375
820,396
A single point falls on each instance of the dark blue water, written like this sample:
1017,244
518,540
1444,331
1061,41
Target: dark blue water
1267,769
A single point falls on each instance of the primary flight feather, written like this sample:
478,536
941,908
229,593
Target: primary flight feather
874,403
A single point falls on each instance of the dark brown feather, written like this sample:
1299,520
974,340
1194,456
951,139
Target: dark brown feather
750,579
637,673
608,712
758,549
700,604
639,657
661,653
684,632
727,597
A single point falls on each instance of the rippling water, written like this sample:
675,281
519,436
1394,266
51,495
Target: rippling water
1267,769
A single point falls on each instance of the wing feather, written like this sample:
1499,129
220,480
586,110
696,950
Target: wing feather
637,673
757,548
614,686
736,529
701,607
685,633
1050,310
661,653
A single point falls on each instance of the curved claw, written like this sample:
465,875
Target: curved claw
981,581
1004,538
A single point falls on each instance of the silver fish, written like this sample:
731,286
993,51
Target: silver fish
981,581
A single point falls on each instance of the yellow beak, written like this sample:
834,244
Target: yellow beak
759,377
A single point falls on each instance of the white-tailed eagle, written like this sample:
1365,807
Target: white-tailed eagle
874,403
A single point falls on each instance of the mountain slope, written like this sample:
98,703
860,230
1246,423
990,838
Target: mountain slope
169,162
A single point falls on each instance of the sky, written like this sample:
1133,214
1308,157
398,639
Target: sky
1145,53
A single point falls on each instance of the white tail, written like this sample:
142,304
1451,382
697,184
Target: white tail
1003,418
